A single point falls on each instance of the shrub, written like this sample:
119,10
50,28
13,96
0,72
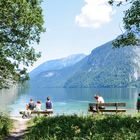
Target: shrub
102,127
5,125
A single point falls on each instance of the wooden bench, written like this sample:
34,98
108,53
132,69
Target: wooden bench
44,112
108,107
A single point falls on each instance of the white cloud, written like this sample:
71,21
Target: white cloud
94,13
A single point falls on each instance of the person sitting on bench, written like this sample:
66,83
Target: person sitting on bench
49,105
99,100
38,106
29,107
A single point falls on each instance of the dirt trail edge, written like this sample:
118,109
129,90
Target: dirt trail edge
19,128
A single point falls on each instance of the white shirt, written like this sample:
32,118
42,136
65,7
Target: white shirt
38,107
100,99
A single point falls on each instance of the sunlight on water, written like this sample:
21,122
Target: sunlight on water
65,101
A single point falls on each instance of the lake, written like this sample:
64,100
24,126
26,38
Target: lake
65,100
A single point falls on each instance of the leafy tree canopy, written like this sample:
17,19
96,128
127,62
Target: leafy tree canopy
131,21
21,23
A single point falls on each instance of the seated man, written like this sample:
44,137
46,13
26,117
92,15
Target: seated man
31,104
49,105
29,107
99,100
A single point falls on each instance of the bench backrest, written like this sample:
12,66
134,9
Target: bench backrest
108,104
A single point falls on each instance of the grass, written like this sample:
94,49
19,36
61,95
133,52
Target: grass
101,127
5,126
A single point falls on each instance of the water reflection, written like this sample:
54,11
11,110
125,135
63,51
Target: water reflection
109,94
7,96
10,97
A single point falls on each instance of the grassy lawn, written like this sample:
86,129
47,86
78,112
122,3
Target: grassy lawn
99,127
5,126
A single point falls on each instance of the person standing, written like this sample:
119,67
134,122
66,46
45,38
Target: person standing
138,103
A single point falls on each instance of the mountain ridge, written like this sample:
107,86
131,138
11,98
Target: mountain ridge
104,67
57,64
107,67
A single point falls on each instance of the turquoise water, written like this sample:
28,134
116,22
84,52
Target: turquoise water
65,101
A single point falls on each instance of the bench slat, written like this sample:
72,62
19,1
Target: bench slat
38,112
41,112
110,110
108,104
120,110
93,106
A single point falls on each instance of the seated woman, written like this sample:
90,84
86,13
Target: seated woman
38,106
49,105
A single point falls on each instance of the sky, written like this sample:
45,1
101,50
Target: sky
77,26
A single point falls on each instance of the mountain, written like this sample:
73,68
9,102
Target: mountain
57,64
104,67
108,67
54,73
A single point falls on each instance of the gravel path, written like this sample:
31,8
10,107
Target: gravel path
19,129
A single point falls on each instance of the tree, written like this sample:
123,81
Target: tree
21,23
131,21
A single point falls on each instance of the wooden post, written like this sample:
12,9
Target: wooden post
97,107
116,108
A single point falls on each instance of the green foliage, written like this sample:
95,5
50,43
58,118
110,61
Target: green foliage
102,127
21,23
102,78
131,21
5,126
106,67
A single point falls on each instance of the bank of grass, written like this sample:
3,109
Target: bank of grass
101,127
5,126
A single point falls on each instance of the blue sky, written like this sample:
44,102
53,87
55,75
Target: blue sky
77,26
